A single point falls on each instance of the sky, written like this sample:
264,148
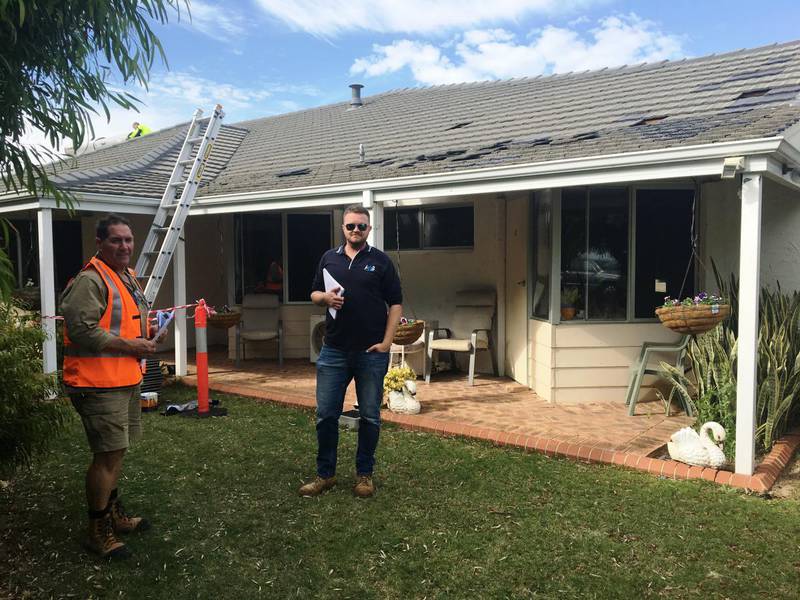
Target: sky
265,57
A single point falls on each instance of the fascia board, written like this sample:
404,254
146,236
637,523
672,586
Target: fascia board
107,203
19,207
616,167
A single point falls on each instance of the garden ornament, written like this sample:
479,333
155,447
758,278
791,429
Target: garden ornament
687,446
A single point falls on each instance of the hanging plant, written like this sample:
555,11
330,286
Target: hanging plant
693,315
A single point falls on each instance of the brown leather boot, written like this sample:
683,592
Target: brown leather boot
364,488
123,523
317,486
101,540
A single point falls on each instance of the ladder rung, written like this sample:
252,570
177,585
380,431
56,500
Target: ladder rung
188,161
194,140
153,252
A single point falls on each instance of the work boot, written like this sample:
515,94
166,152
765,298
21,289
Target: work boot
123,523
101,540
364,488
317,486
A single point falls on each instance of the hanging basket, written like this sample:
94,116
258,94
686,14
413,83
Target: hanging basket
224,320
694,319
408,333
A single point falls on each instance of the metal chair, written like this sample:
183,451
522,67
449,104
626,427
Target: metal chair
640,368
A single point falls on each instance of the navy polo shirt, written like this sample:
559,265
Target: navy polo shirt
370,285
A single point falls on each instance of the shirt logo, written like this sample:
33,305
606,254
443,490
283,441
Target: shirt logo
369,268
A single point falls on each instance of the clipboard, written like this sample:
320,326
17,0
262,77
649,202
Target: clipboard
331,284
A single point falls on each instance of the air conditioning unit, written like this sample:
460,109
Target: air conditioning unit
316,335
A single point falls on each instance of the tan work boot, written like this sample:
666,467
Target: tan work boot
317,486
123,523
364,488
101,540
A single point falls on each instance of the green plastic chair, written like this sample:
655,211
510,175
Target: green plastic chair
640,368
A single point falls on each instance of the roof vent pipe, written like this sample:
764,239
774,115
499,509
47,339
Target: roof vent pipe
355,100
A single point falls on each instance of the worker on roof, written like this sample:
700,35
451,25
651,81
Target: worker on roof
139,130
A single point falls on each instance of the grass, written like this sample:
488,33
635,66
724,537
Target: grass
452,519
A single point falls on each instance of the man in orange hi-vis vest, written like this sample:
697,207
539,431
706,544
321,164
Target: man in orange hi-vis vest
105,336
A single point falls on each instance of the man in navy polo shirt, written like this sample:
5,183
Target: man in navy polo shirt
357,343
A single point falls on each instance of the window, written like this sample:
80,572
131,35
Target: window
663,248
261,267
594,254
308,236
542,257
402,224
598,226
426,228
260,243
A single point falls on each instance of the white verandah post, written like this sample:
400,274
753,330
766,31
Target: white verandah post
47,287
179,297
375,238
749,290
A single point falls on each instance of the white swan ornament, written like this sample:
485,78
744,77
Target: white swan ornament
687,446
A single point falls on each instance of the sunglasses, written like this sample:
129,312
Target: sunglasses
352,226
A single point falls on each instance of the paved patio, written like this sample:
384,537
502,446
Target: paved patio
494,406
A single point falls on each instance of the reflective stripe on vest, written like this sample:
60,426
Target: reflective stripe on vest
85,368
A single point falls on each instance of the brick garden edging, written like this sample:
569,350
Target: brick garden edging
761,481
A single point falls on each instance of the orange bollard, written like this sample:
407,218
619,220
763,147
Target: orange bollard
201,345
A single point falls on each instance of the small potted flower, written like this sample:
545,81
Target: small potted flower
569,300
693,315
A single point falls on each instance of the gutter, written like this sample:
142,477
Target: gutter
608,162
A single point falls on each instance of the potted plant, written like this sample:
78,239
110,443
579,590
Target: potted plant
569,299
693,315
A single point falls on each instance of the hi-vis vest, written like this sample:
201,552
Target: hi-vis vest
85,368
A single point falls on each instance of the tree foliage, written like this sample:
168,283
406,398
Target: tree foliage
62,61
28,418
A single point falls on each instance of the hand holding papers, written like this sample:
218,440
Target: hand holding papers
330,285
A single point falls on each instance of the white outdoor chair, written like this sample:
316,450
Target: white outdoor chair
261,322
471,331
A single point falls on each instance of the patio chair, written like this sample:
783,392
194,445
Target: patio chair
642,367
471,331
261,322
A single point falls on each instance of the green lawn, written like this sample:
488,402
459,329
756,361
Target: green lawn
452,519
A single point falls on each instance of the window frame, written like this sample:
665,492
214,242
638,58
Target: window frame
285,248
421,209
555,264
238,230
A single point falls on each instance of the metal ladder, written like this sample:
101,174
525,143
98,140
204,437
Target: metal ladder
162,255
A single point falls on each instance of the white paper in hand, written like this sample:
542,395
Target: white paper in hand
331,284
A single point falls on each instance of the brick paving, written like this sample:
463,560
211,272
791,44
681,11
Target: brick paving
507,414
493,403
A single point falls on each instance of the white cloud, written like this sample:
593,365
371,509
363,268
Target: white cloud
173,97
496,53
217,22
332,17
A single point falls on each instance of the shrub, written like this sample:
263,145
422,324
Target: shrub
712,387
28,415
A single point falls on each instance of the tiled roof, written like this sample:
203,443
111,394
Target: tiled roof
740,95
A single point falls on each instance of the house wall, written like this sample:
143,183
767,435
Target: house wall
591,362
720,220
540,351
432,278
573,363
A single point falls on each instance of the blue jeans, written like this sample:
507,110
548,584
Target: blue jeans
335,370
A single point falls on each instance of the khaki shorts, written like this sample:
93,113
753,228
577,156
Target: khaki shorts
112,418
